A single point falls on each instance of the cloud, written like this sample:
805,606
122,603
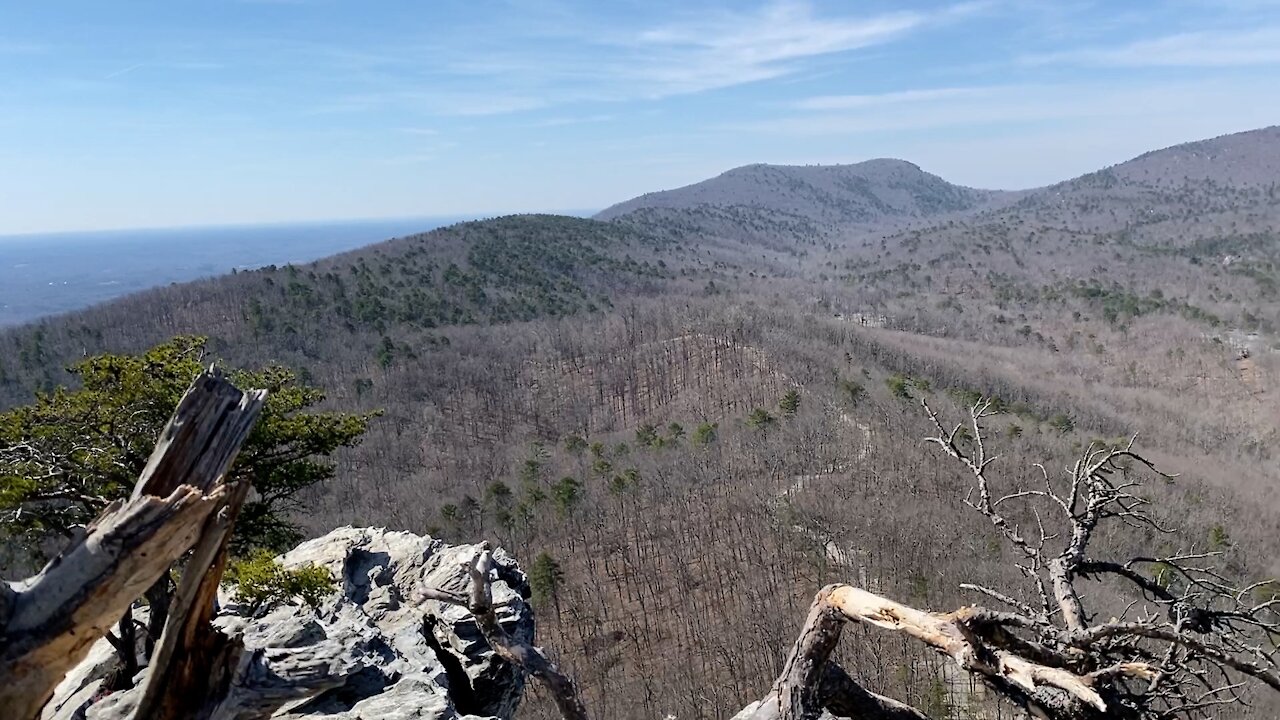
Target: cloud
853,102
1234,48
574,120
412,159
12,47
528,63
481,104
443,103
1120,103
124,71
725,49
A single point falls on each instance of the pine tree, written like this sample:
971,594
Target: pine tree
790,403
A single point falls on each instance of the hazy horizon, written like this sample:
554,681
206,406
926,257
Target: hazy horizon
44,274
433,220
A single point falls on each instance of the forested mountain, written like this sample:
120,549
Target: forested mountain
862,193
1247,159
1189,230
781,205
386,300
704,404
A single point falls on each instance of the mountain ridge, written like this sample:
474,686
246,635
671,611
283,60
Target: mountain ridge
859,193
1243,159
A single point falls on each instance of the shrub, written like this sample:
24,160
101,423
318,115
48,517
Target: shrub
260,580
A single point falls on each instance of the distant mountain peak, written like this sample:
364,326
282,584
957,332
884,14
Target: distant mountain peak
819,196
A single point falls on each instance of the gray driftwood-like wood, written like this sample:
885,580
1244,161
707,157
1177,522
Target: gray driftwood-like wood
1186,645
811,682
191,671
531,659
49,622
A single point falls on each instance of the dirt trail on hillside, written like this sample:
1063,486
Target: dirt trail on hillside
835,554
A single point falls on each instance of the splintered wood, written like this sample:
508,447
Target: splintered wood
48,622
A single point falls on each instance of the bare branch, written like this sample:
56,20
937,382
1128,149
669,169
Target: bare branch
58,614
1186,629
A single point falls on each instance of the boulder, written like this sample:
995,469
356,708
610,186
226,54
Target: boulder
373,649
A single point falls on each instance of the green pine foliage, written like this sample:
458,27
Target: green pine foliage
790,403
705,434
545,578
261,581
72,451
760,419
510,269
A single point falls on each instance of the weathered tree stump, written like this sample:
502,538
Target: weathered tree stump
49,621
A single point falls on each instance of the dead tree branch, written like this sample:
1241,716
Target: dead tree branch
479,602
1200,635
48,622
811,682
190,672
1188,642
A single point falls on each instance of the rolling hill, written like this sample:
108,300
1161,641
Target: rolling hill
1195,225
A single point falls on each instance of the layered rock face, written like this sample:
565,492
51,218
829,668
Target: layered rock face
374,649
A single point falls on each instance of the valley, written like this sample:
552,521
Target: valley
612,393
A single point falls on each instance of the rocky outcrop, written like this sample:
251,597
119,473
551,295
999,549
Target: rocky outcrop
374,649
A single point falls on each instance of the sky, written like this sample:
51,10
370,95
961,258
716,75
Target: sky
151,114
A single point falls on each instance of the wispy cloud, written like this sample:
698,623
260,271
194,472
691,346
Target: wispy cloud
124,71
412,159
445,103
18,47
517,68
854,102
574,120
1026,105
1221,48
728,49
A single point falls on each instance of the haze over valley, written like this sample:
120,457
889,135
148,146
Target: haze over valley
49,274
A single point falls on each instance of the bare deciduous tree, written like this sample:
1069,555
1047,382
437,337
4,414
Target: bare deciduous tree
1174,637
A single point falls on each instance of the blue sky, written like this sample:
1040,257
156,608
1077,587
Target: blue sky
134,114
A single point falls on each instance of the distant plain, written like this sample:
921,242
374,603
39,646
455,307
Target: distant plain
47,274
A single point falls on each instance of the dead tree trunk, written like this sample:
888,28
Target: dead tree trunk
191,666
810,682
527,657
48,622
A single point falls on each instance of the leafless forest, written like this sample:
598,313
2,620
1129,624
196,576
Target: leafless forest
706,405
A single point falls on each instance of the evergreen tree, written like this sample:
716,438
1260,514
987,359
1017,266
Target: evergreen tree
790,403
705,434
545,577
760,419
70,453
